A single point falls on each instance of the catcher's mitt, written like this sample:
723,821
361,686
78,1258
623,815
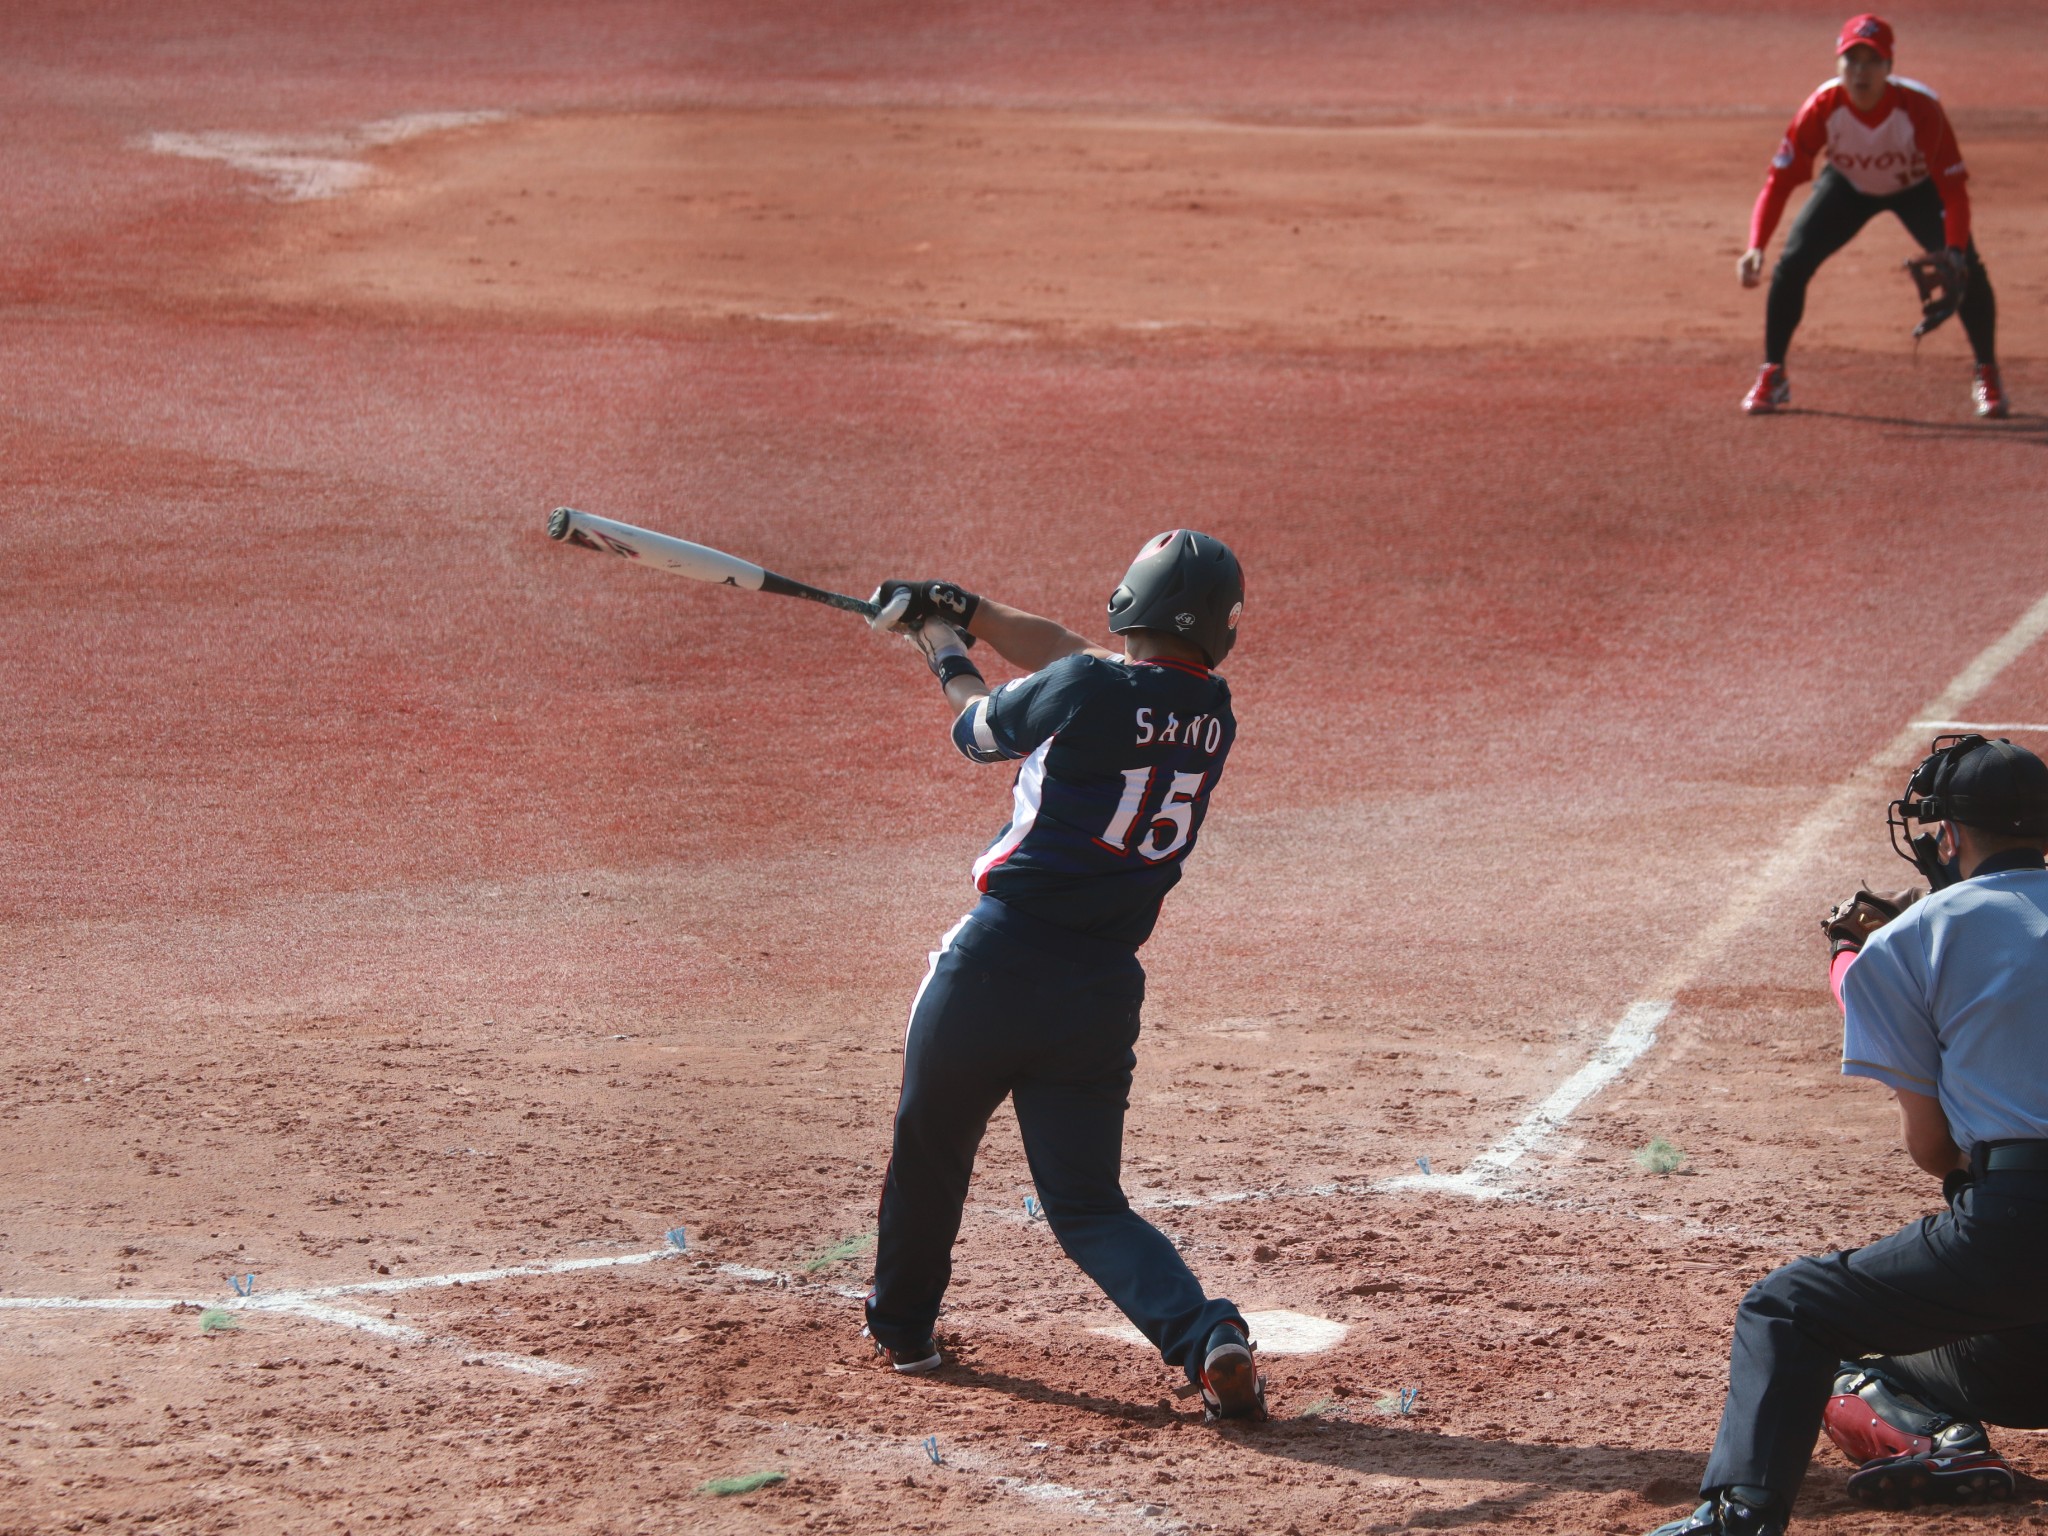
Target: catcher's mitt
1850,922
1942,278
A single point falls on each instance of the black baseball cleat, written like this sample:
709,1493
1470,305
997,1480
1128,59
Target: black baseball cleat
1731,1512
915,1361
1231,1385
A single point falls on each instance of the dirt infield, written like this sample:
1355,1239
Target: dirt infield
453,986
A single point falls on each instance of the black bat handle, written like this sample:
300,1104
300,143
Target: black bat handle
782,586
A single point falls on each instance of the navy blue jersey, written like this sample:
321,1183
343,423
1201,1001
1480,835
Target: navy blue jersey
1120,758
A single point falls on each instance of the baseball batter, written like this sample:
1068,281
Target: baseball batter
1034,995
1890,149
1900,1349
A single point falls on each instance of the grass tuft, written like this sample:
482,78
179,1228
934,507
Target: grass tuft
1660,1156
726,1487
845,1248
217,1320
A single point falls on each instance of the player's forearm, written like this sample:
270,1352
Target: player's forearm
1769,208
1023,639
1955,214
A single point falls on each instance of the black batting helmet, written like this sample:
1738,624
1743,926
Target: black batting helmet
1182,583
1991,785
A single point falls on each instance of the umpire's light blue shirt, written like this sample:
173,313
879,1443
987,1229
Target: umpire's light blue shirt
1950,999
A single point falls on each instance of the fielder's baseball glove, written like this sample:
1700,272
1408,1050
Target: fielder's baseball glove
1942,278
1850,922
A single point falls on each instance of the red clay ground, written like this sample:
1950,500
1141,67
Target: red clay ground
398,894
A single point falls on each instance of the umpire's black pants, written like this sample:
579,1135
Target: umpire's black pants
1830,219
1015,1006
1959,1301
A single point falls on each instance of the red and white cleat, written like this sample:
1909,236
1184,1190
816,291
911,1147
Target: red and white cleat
1988,390
1770,391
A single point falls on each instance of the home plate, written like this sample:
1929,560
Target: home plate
1277,1333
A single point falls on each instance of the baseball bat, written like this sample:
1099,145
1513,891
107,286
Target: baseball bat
699,562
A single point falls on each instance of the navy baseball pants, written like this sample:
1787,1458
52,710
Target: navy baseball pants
1014,1006
1956,1300
1830,219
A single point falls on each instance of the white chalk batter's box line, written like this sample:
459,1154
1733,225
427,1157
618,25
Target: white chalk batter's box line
301,167
1118,1511
1280,1332
1292,1333
315,1303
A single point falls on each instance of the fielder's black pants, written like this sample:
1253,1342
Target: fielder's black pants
1016,1007
1956,1300
1829,221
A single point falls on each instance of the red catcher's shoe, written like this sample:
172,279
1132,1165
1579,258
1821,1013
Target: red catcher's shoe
1988,390
1770,391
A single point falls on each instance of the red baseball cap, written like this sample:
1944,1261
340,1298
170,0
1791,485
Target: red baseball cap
1866,31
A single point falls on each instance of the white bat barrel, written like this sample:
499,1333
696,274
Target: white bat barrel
657,550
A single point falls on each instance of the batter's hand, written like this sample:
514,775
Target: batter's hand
893,601
1751,267
900,606
1850,922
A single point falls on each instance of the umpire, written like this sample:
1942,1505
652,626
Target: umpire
1943,1324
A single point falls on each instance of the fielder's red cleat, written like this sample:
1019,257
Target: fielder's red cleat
1988,390
1770,391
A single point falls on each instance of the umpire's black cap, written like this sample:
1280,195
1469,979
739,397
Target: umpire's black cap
1999,787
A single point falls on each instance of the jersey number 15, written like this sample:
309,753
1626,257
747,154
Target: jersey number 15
1172,819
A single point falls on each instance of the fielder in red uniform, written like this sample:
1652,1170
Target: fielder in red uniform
1890,149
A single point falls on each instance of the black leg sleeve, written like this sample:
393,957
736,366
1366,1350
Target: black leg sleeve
1829,221
1979,313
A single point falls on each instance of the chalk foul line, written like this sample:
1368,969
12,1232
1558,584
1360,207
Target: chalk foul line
1486,1175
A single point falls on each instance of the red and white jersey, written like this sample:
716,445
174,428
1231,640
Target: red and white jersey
1901,143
